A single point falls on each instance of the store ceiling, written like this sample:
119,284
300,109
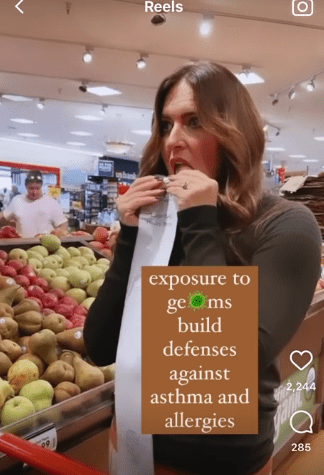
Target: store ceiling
41,57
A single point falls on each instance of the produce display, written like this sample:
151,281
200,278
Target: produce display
45,294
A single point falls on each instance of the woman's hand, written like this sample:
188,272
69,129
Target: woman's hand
193,188
143,191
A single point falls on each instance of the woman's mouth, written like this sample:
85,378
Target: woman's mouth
178,166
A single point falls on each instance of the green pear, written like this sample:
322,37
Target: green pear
63,252
108,372
91,258
18,254
73,263
40,249
74,251
36,264
62,272
88,302
50,262
59,260
103,260
39,392
60,282
96,272
81,279
51,242
34,255
47,274
16,409
83,260
86,375
94,287
78,294
85,251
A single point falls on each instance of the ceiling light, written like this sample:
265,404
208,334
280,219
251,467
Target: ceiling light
23,121
297,156
26,134
141,63
16,98
292,93
158,19
275,100
81,134
310,85
309,160
321,139
278,133
88,117
87,56
53,147
206,25
78,144
118,147
141,132
41,104
103,91
275,149
246,76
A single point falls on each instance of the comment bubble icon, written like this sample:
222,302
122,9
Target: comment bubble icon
310,420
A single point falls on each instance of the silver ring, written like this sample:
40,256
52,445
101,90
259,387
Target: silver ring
185,186
166,180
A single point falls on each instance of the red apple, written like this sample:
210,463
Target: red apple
35,291
50,300
16,264
80,310
101,234
22,280
8,271
47,311
66,310
77,320
28,271
59,293
3,255
106,252
68,301
2,263
37,300
42,283
96,244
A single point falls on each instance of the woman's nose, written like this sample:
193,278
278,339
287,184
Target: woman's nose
176,136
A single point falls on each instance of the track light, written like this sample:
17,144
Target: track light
83,87
292,93
41,104
278,132
141,63
87,56
310,85
206,25
275,100
158,19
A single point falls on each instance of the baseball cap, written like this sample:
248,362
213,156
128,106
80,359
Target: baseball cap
34,176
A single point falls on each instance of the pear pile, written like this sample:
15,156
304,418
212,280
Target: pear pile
42,362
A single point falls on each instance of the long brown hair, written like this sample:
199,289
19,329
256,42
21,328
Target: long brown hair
225,109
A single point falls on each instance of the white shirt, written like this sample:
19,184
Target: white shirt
34,216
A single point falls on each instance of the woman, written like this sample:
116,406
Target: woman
208,137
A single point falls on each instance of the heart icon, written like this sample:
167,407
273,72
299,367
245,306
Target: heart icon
301,354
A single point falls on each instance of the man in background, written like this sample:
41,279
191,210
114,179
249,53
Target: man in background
14,192
34,212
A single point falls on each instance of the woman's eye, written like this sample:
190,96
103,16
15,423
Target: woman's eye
165,127
194,122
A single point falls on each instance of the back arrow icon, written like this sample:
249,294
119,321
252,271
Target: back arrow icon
17,6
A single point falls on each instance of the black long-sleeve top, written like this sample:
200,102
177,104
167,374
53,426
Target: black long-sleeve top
288,253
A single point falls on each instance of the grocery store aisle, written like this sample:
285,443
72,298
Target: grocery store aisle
302,463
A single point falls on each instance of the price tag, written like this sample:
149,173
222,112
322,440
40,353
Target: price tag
45,437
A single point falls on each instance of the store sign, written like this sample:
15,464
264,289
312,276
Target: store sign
295,393
106,167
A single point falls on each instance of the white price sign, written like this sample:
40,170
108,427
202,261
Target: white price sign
46,437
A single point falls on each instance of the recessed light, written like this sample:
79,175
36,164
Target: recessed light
309,160
78,144
81,134
11,97
206,25
26,134
141,132
275,149
297,156
103,91
23,121
321,139
88,117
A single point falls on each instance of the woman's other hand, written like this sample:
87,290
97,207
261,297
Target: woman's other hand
143,191
193,188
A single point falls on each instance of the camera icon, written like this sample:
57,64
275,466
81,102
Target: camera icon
302,7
